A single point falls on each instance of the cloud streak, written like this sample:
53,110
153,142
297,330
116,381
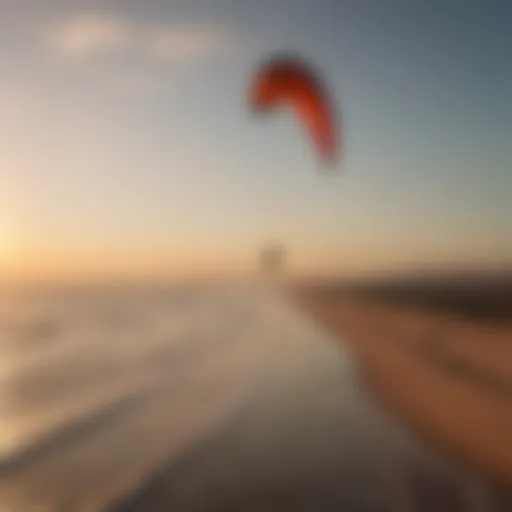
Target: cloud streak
87,35
92,35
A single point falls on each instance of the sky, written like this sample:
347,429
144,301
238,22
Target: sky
127,147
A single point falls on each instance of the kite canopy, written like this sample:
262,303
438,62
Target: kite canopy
287,81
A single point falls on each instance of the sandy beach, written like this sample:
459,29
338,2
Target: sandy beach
444,367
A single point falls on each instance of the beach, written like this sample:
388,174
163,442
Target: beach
439,356
201,398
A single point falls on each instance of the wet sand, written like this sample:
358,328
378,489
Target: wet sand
440,357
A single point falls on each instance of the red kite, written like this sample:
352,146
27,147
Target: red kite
288,81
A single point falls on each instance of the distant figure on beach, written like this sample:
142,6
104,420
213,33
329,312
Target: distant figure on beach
272,258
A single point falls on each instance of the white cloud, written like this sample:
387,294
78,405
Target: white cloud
189,42
92,34
164,47
88,34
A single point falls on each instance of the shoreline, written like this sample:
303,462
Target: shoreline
447,376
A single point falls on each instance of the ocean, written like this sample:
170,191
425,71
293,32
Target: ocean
203,397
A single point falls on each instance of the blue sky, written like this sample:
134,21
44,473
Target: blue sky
126,145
